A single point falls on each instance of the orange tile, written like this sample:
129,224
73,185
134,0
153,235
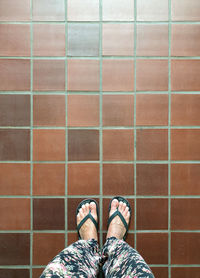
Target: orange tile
19,12
118,10
77,10
44,10
154,10
185,10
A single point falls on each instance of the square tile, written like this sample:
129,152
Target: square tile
83,110
152,109
83,39
118,75
72,237
118,39
184,272
185,10
118,10
10,12
83,75
48,110
36,272
152,10
152,144
44,10
48,214
14,110
118,144
118,110
83,179
15,144
160,271
83,145
152,75
46,176
20,220
17,273
118,179
87,10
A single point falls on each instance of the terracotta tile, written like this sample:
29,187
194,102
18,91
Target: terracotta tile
152,109
153,10
185,248
118,144
10,12
152,40
15,40
152,144
44,10
83,75
46,247
15,144
153,247
77,10
14,179
118,179
185,75
14,249
17,273
118,75
46,176
118,39
48,110
118,10
14,110
185,179
184,10
184,272
49,40
129,239
185,144
15,75
83,110
83,145
185,109
118,110
36,272
20,220
152,179
71,238
160,271
152,75
83,179
49,75
48,214
83,39
49,145
183,214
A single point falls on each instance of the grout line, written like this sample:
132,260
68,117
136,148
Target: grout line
133,127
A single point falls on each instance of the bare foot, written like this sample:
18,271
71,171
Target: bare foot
88,229
116,227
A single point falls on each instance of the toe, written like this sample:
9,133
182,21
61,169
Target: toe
123,207
114,206
87,208
83,208
93,209
120,206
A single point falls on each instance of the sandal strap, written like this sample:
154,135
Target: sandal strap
89,215
118,213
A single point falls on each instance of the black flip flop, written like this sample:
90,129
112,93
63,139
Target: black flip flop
89,215
118,213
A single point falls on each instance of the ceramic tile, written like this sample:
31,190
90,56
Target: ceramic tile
118,10
44,10
17,273
36,272
185,10
72,237
184,272
10,12
77,10
160,271
153,10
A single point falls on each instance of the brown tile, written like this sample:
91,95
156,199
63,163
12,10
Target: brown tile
185,10
152,109
83,145
14,110
153,247
14,179
48,110
71,238
46,176
15,40
49,145
36,272
118,110
185,179
49,75
49,40
118,75
185,75
118,39
185,272
129,239
20,220
160,271
118,144
152,75
83,179
185,109
152,144
44,10
15,75
118,10
152,179
185,144
14,249
83,110
118,179
152,40
15,144
153,10
77,10
10,12
184,214
43,209
185,248
83,75
16,273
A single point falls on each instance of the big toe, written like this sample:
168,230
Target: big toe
114,206
93,209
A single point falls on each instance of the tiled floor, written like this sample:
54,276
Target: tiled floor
99,98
